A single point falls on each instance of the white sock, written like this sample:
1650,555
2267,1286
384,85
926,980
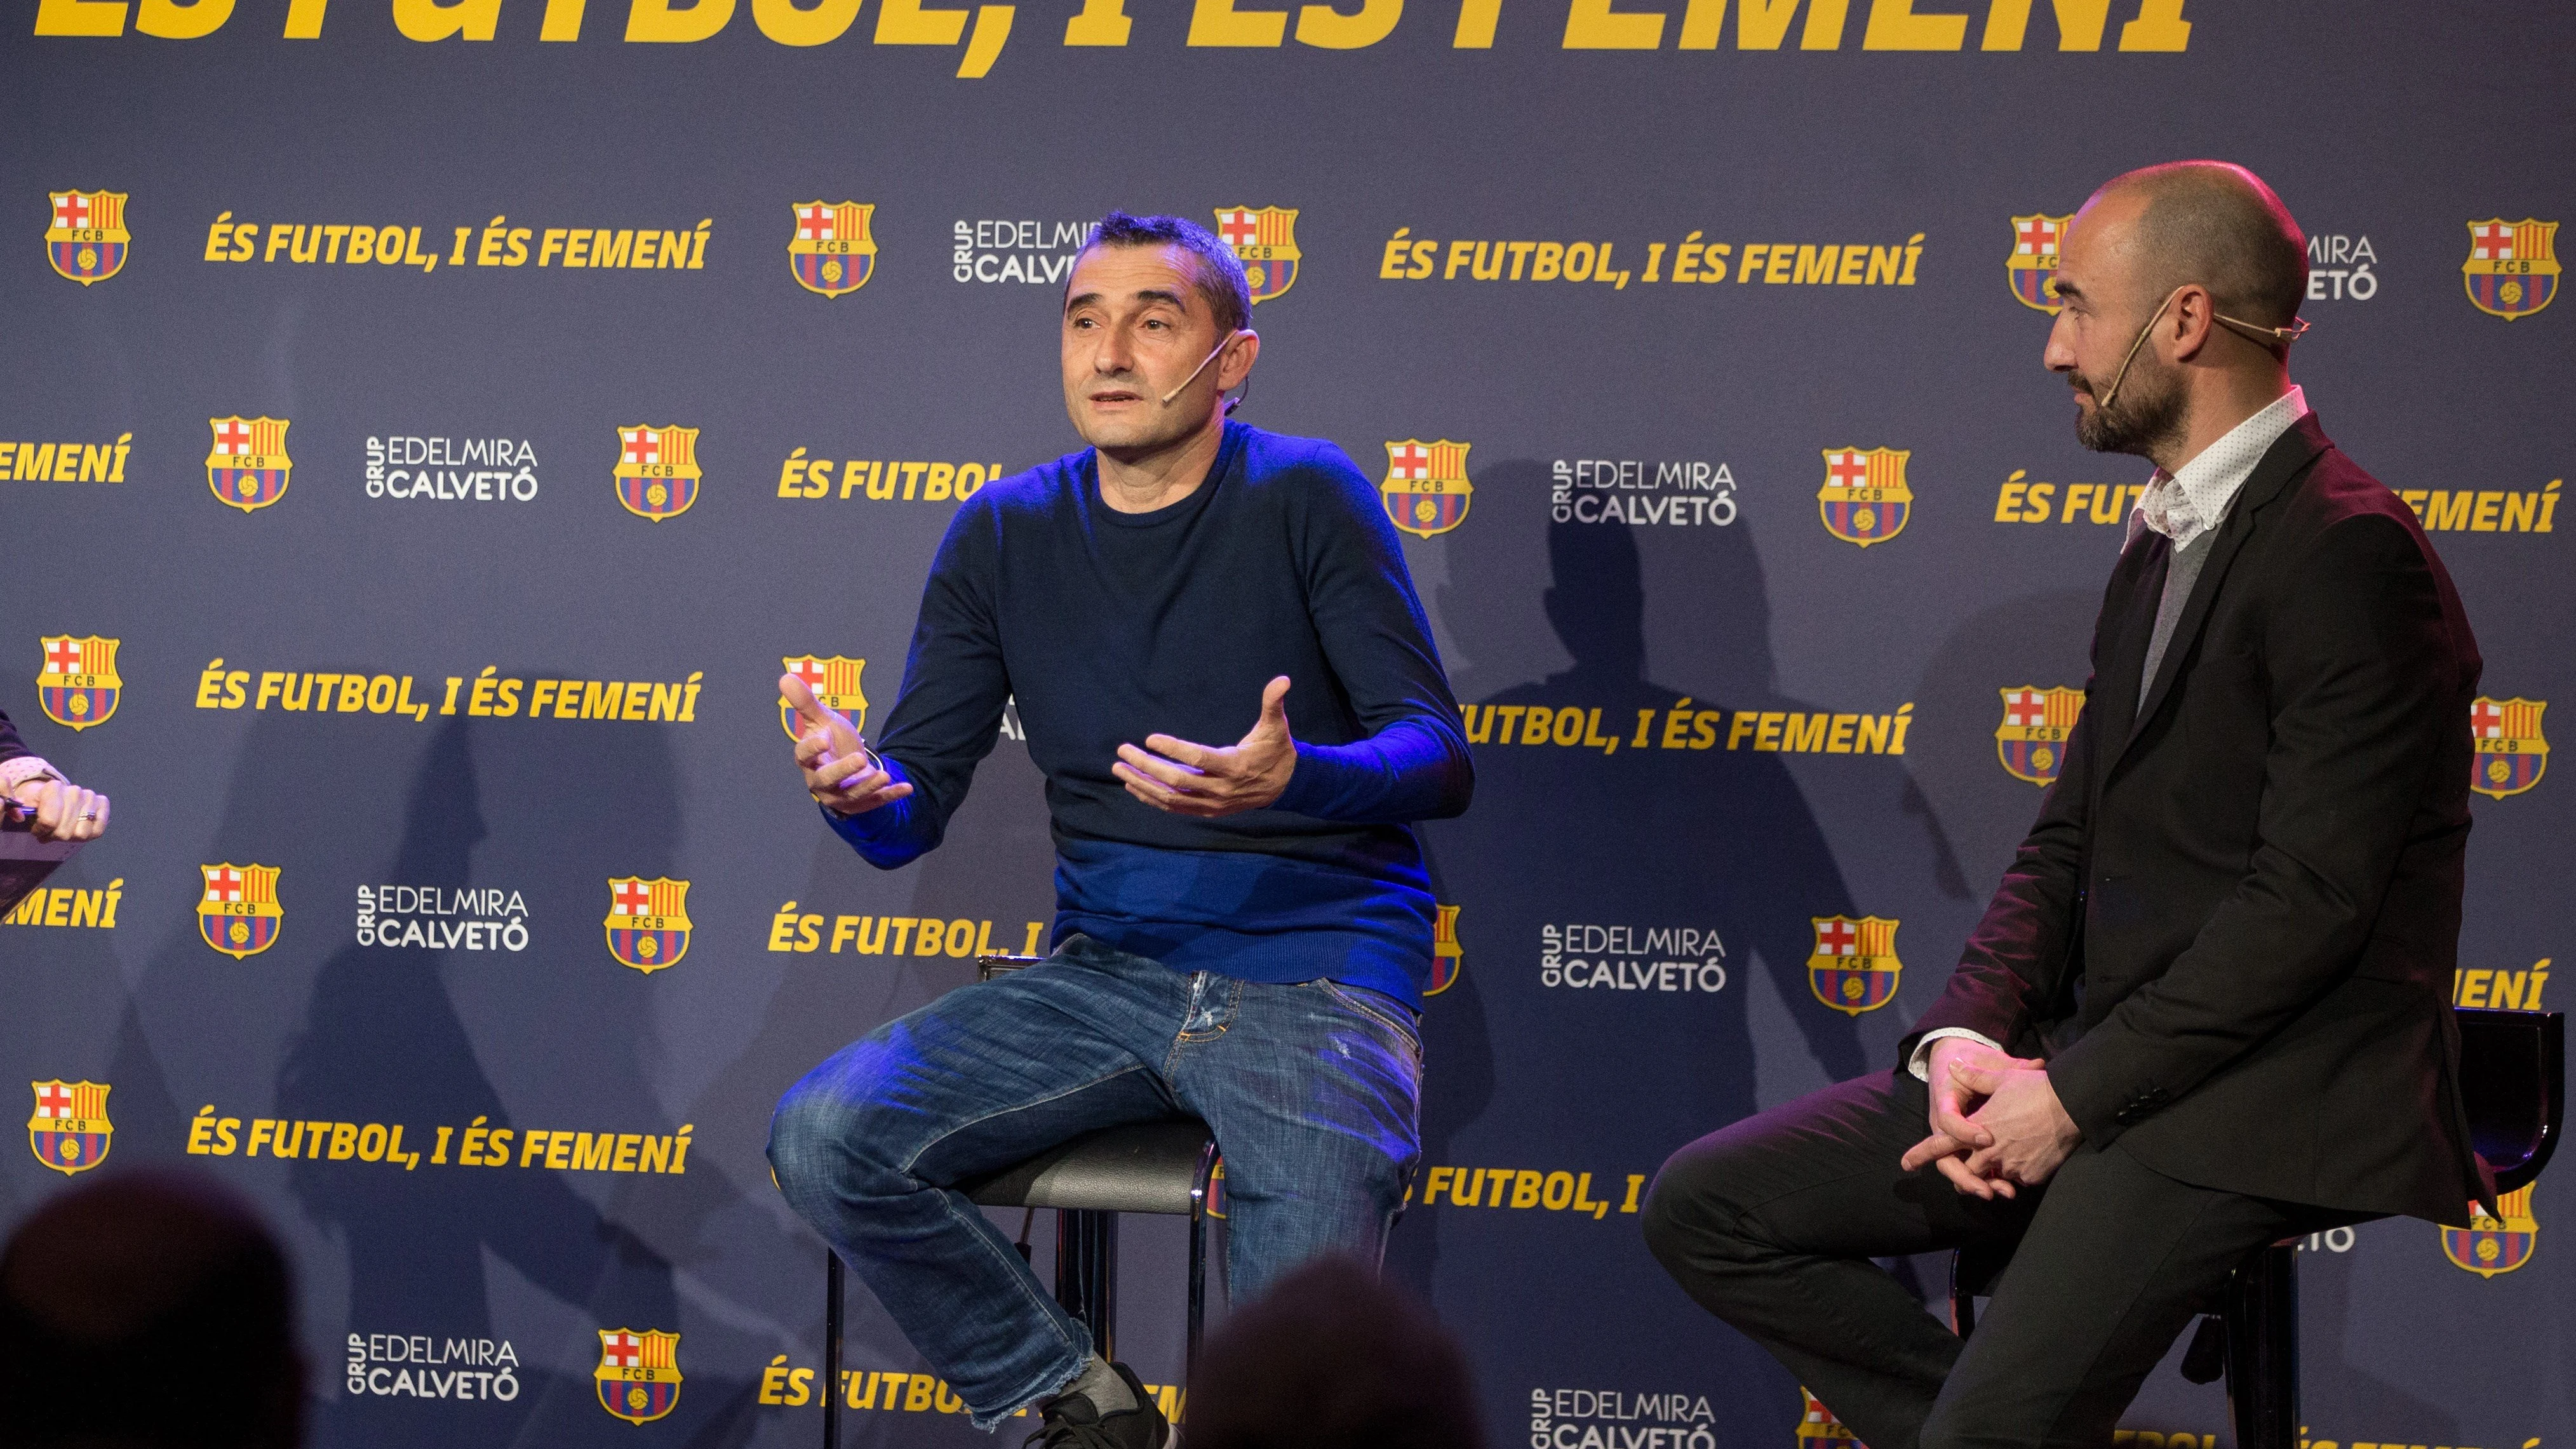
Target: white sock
1101,1384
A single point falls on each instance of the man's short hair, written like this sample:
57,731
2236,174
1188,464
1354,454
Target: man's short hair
1216,271
2217,224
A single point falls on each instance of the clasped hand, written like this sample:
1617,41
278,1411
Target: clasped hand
61,810
1181,778
1997,1126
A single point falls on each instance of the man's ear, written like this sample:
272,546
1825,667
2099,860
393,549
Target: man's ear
2193,318
1242,350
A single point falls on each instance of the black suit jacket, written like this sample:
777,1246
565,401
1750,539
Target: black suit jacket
2232,931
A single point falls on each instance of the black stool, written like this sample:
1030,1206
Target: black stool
2513,1086
1150,1167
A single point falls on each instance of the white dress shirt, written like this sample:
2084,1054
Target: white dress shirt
2182,506
17,772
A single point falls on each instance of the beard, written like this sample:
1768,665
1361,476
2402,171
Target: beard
2149,416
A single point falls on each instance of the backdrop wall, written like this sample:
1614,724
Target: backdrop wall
428,429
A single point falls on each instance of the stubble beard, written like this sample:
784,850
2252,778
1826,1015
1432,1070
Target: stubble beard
2151,415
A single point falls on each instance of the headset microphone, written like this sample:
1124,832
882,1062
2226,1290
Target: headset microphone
2280,337
1202,367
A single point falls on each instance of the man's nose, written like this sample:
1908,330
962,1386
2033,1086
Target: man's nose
1114,352
2059,354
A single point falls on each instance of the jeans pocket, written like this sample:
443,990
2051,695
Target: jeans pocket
1390,1015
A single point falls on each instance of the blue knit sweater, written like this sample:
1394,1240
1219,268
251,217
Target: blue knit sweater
1106,627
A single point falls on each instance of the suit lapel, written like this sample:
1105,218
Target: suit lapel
2124,651
2281,462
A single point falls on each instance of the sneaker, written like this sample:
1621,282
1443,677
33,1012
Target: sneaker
1070,1421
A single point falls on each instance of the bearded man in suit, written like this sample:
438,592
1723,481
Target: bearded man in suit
2209,1005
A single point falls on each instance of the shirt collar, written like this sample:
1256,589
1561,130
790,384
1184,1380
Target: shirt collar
2184,505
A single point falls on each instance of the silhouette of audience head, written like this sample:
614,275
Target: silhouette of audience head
1333,1358
147,1310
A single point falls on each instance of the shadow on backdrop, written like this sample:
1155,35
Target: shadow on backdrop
2040,640
432,1250
1706,843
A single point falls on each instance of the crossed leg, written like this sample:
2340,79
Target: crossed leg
1770,1224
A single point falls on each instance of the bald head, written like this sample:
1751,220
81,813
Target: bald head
2218,225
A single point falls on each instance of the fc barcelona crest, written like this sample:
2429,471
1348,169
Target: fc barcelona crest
1865,500
1819,1429
1265,238
1447,960
638,1373
239,914
831,251
248,467
2487,1246
1854,968
78,686
86,238
2512,270
2031,265
835,682
2032,739
70,1130
1426,491
657,470
648,922
2511,755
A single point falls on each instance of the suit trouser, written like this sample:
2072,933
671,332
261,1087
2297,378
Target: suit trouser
1771,1224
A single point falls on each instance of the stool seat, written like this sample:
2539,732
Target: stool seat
1148,1167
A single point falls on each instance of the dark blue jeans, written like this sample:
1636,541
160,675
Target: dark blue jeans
1311,1089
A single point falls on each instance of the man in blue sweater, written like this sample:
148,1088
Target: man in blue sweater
1242,931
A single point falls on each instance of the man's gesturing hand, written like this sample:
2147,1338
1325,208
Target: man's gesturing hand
839,773
1957,1140
1189,779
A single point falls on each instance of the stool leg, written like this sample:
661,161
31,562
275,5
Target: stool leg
1104,1283
831,1348
1963,1304
1069,1279
1086,1273
1198,1297
2263,1349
